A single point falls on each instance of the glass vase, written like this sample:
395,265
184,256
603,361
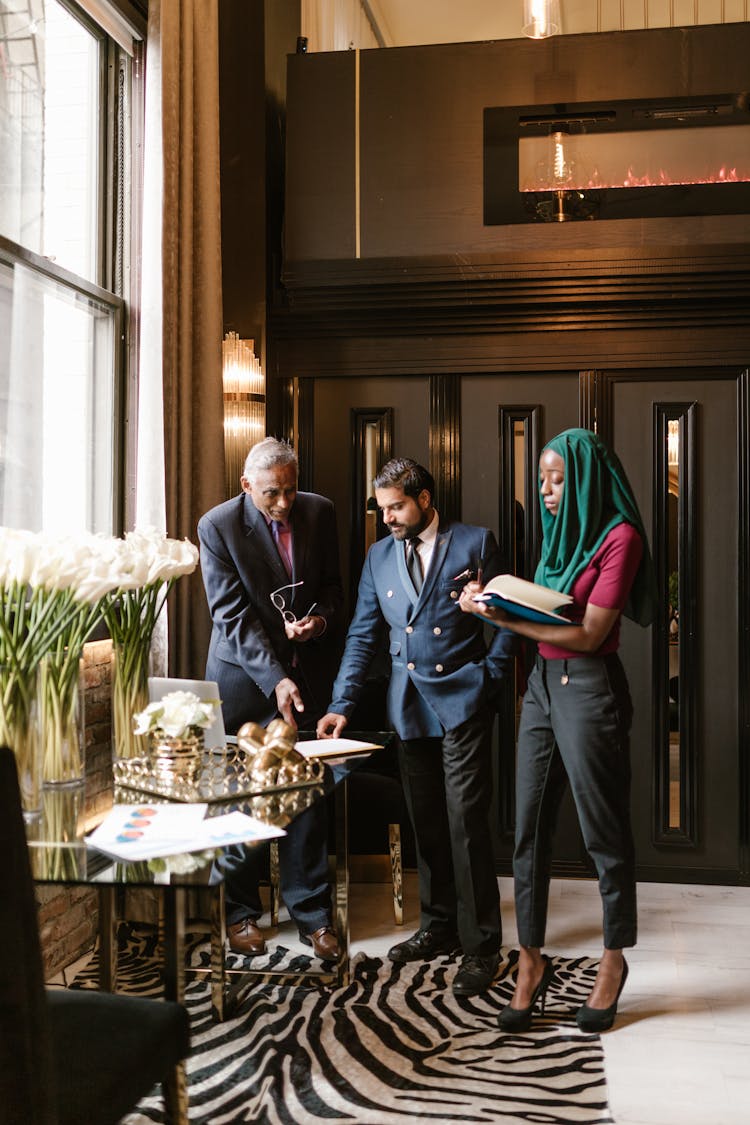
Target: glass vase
60,718
18,730
129,696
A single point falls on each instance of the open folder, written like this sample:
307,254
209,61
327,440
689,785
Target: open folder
340,748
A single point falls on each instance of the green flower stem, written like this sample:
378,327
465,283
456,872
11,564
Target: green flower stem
131,616
129,696
38,624
62,860
17,732
58,717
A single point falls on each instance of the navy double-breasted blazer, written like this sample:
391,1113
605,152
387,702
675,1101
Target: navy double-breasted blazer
249,651
442,671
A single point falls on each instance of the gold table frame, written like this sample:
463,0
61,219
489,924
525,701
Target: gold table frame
225,990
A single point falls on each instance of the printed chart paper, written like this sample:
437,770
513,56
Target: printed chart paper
146,831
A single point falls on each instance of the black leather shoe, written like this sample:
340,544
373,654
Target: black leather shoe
475,974
517,1020
246,938
595,1020
324,942
423,946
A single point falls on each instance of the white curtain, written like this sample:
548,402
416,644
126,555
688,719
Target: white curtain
150,496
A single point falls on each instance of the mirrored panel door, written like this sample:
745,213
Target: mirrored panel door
675,635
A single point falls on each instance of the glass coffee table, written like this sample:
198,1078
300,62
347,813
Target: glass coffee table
59,855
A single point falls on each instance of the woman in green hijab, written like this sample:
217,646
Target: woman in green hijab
576,715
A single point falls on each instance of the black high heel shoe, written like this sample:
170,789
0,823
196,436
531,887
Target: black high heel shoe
519,1019
601,1019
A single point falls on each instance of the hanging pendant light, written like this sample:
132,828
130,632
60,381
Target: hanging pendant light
541,18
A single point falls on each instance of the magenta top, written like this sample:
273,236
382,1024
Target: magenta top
605,582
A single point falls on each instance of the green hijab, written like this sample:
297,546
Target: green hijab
596,497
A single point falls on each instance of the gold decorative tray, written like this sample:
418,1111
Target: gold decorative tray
223,776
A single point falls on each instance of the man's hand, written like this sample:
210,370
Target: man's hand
287,695
306,629
331,725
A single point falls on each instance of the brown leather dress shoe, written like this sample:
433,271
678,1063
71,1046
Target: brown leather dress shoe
324,942
246,938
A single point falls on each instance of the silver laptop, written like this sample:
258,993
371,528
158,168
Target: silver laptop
159,686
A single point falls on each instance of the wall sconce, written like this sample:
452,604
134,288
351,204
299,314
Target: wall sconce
244,405
541,18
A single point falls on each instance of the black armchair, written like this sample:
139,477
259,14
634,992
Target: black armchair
71,1056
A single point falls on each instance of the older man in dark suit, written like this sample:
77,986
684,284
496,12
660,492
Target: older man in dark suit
443,678
270,566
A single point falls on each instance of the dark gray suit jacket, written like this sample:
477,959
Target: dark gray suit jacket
249,651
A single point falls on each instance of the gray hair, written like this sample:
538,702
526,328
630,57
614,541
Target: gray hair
268,454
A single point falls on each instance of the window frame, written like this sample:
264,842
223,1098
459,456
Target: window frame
115,227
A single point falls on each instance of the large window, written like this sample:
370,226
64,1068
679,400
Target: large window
65,110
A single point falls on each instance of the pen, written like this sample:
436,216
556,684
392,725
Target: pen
464,574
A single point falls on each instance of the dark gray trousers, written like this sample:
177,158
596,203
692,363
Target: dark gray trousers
574,729
448,785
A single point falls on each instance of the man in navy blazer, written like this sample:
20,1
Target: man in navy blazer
442,683
270,565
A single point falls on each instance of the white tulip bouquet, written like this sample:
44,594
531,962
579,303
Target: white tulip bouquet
53,591
148,565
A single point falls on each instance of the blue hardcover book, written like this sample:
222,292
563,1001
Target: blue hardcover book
526,600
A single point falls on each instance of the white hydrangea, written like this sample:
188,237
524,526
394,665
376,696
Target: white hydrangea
177,714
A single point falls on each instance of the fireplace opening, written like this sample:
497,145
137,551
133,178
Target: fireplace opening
634,159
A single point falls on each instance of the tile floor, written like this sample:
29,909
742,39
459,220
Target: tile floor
679,1053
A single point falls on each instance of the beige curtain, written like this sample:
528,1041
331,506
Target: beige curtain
184,35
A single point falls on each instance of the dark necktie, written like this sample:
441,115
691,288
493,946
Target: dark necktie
276,531
414,563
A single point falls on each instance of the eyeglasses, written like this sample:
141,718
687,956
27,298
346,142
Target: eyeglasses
279,601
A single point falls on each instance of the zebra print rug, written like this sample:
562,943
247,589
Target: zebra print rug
393,1046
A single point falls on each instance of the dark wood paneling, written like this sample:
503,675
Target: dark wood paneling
305,430
243,176
422,133
484,352
743,601
334,401
677,304
719,685
319,206
435,291
445,443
